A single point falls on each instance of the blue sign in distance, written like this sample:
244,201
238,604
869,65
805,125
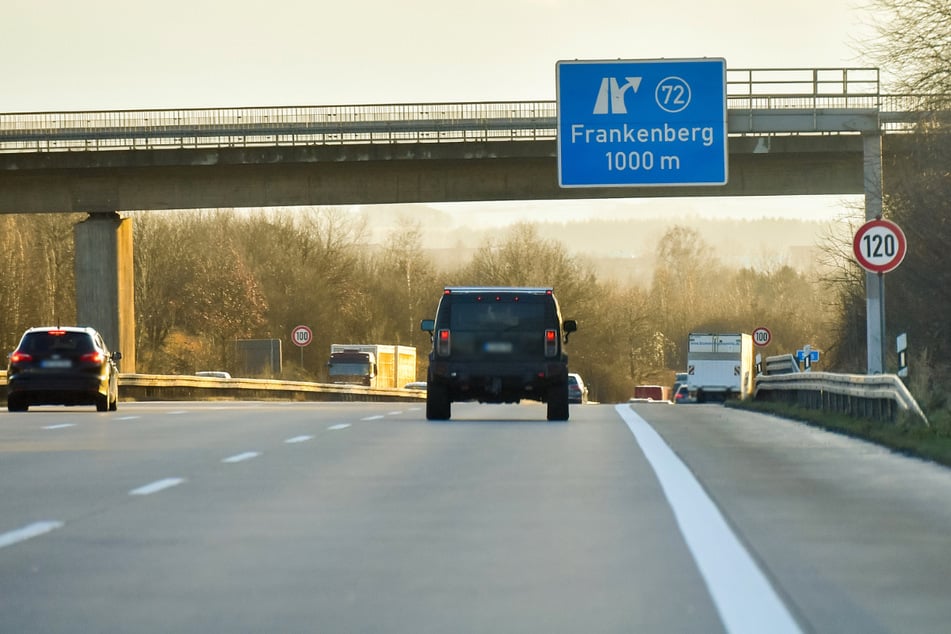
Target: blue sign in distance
642,122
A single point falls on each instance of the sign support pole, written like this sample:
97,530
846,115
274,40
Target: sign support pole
874,288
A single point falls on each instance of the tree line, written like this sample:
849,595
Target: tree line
204,279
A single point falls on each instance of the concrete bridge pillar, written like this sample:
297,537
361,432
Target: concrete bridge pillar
105,281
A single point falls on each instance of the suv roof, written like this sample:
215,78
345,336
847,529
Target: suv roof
498,289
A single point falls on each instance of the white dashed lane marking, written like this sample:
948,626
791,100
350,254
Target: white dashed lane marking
297,439
340,426
241,457
60,426
157,486
27,532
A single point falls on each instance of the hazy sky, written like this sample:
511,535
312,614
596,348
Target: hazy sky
117,54
122,54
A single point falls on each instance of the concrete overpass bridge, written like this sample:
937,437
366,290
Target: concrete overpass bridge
791,132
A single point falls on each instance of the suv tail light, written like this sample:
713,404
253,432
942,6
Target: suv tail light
443,342
551,343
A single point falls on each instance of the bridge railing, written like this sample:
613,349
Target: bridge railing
748,91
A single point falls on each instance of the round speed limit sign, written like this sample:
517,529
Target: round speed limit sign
301,336
879,246
762,336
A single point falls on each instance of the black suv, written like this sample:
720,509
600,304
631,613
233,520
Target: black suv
497,345
66,365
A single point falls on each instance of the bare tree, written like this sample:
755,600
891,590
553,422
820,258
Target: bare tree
913,42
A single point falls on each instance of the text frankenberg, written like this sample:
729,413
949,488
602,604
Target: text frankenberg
628,134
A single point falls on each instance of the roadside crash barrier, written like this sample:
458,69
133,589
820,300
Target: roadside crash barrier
157,387
879,397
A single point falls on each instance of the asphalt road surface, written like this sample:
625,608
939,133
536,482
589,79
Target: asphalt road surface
364,517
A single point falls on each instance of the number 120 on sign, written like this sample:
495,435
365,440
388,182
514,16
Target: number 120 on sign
879,246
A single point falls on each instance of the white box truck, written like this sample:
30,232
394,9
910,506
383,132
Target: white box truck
371,364
719,366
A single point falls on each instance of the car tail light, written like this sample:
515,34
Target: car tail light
93,357
551,343
443,342
20,357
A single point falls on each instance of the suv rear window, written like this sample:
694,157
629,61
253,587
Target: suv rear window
511,317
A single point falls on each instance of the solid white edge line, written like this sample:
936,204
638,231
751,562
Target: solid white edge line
28,532
744,597
157,486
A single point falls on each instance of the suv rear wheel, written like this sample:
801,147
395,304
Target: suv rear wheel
558,402
438,404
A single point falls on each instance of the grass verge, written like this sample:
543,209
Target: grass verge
913,439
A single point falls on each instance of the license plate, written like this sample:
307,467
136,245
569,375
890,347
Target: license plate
56,363
498,347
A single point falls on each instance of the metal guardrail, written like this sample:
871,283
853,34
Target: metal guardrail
160,387
187,387
780,364
877,397
750,93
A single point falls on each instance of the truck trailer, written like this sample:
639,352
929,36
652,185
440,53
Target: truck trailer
371,365
719,366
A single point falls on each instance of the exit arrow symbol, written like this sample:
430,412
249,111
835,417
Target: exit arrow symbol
611,95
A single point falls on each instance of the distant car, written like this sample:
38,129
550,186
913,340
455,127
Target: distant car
577,390
415,385
680,379
214,374
682,395
62,365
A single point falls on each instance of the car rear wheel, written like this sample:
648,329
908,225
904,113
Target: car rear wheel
558,402
438,405
16,405
102,402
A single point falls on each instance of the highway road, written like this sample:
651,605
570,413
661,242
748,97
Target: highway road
364,517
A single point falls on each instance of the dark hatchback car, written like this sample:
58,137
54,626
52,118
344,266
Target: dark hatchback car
63,365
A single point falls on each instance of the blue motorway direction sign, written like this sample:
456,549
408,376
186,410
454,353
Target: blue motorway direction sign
642,122
812,355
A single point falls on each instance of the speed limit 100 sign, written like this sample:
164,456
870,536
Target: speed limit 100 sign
762,336
879,246
301,336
